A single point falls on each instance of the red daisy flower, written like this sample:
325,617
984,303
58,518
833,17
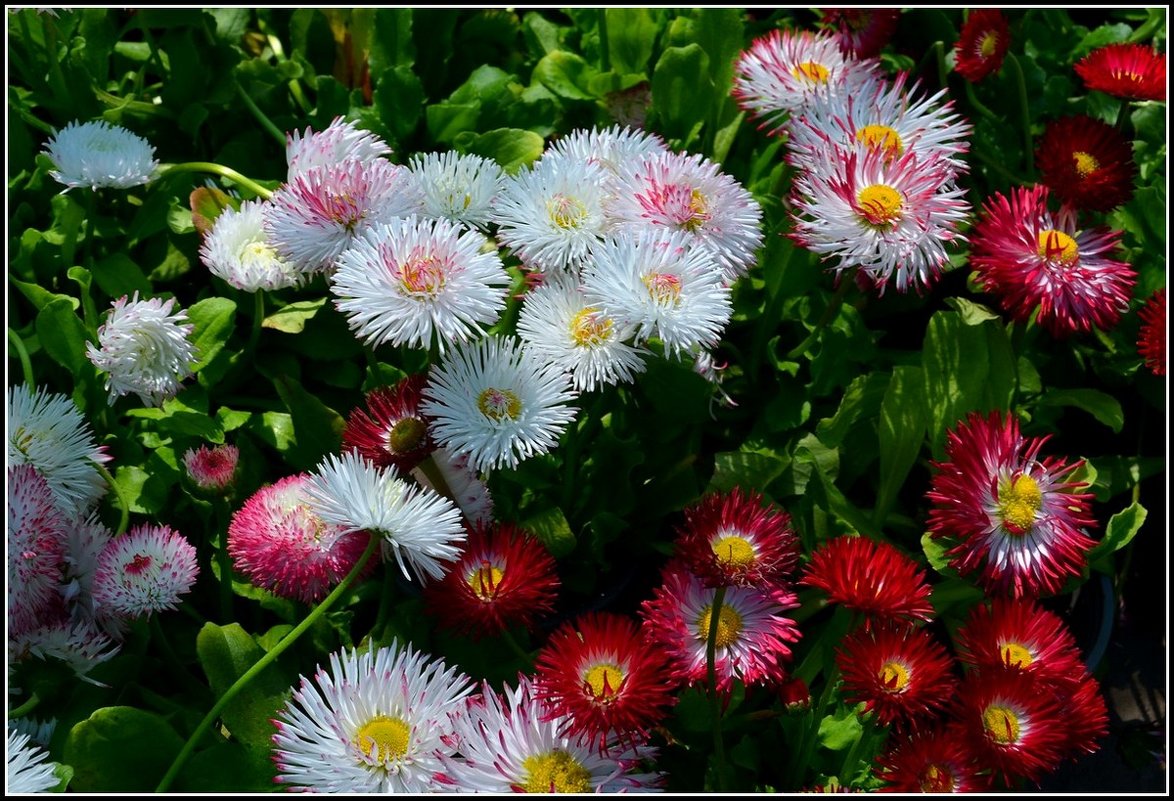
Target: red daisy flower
1018,730
212,470
754,632
1087,717
982,45
871,577
1015,519
939,760
1034,259
598,671
861,32
283,546
1086,162
1151,338
899,672
738,539
1019,634
504,578
1131,71
392,432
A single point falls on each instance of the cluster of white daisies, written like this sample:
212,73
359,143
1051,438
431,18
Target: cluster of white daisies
877,164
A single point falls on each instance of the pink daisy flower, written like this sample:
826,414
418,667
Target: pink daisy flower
338,142
1034,259
279,542
144,571
754,633
212,470
37,536
463,483
1151,338
1012,518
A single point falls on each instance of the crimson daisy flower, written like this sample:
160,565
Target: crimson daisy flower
738,539
1034,259
1087,717
861,32
938,760
754,632
1151,338
504,577
598,671
1016,726
1014,519
391,430
1019,634
899,672
870,577
1086,162
982,44
1131,71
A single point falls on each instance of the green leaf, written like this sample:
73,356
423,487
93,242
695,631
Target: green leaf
1104,407
292,318
935,553
447,119
840,730
957,364
120,749
901,431
212,320
566,74
512,148
972,313
391,42
41,297
62,334
206,204
226,653
1120,531
552,529
399,96
631,34
682,90
118,275
227,768
317,427
744,469
860,403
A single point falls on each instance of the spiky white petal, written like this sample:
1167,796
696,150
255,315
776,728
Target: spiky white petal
468,490
144,571
338,142
238,250
611,148
458,186
98,154
79,645
29,769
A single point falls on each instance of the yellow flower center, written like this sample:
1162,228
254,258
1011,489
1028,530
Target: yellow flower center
589,328
556,772
499,404
566,212
664,288
484,581
1057,246
1019,500
894,677
1086,163
729,625
257,252
880,204
422,275
700,211
406,435
936,779
1001,724
388,736
881,137
989,44
733,550
810,71
603,682
1015,655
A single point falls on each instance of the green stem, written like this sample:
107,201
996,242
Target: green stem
996,165
91,213
258,319
223,559
604,56
979,106
802,755
849,769
431,471
828,314
715,700
25,708
1025,112
222,171
26,365
516,647
262,118
123,505
264,662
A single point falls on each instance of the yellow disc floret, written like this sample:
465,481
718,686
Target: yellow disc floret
811,71
1019,500
556,772
729,625
499,404
880,205
881,137
388,737
1057,246
603,682
1001,724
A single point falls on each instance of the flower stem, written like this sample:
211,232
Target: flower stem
123,504
26,366
222,171
264,662
25,708
1025,111
719,747
517,648
828,314
261,116
258,318
431,471
979,106
224,559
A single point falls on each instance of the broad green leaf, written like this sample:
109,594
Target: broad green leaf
512,148
206,204
1104,407
117,275
631,34
956,364
62,334
840,729
566,74
447,119
292,318
227,768
720,33
225,653
120,749
399,96
745,469
901,431
552,529
1120,531
212,320
859,404
935,553
972,313
41,297
953,592
391,44
682,90
318,428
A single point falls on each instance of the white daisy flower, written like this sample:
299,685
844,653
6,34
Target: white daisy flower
144,348
337,143
378,722
610,148
98,154
415,279
86,541
551,213
890,218
29,767
468,490
39,732
654,284
81,646
513,744
238,250
677,192
872,112
46,430
420,529
497,402
37,534
562,328
322,211
144,571
458,186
